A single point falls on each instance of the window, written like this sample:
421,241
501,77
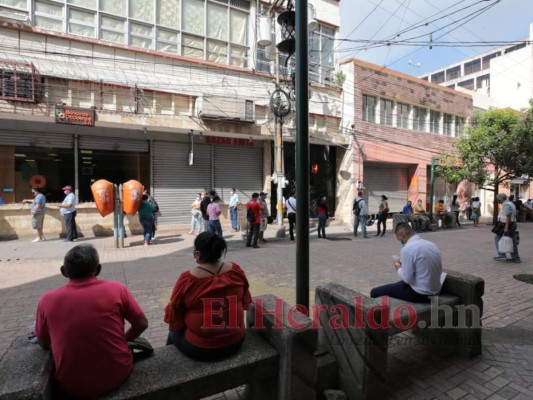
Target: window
402,115
438,77
193,16
386,112
419,119
168,13
81,22
141,35
472,66
117,7
369,108
468,84
486,60
453,73
459,126
434,117
48,16
19,82
142,10
112,29
167,41
22,4
482,81
321,54
447,124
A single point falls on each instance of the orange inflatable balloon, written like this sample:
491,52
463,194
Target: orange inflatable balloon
132,193
103,194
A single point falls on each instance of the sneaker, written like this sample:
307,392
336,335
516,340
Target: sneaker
38,239
517,261
499,258
147,243
256,247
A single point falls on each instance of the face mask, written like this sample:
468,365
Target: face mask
66,192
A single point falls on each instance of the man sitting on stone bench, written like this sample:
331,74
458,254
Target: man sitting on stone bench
83,323
419,267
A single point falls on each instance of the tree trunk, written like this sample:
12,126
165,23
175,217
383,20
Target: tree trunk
495,203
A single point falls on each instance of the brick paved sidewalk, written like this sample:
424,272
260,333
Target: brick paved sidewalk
503,371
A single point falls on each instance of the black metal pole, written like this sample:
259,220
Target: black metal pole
302,156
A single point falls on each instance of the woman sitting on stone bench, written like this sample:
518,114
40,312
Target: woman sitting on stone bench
206,309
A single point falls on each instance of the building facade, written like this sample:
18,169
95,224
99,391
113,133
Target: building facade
173,93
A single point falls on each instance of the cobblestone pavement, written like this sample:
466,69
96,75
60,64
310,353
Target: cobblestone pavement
503,371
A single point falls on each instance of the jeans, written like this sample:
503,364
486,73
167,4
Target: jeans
359,219
512,234
196,223
399,290
215,226
147,223
382,220
253,234
177,338
456,213
70,223
322,218
292,221
207,227
233,217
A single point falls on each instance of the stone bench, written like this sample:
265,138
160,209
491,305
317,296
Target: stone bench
453,320
265,363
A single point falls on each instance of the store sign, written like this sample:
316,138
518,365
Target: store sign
75,116
229,141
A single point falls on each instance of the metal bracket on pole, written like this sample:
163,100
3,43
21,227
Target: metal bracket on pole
120,218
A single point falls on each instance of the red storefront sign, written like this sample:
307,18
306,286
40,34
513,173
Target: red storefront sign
75,116
229,141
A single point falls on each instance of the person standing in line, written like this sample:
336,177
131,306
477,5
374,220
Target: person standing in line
290,206
155,207
419,268
83,323
37,207
146,218
454,208
253,215
68,211
360,210
264,217
213,211
233,202
507,218
203,208
322,212
196,219
382,216
476,211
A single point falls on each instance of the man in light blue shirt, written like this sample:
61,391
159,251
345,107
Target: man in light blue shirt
68,211
359,211
507,218
419,267
234,200
37,208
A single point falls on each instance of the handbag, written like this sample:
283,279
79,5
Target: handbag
505,245
498,229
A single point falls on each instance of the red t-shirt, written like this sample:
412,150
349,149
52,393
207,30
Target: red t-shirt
84,320
256,207
222,323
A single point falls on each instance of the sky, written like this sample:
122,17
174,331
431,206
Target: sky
506,20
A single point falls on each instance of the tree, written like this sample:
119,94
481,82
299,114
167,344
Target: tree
496,148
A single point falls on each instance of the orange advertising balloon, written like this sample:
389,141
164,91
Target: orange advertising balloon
103,194
132,193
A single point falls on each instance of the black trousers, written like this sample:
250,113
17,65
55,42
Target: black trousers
253,234
292,221
70,223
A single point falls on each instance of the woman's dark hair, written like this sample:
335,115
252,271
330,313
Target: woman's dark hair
476,199
216,198
81,261
145,197
384,197
210,245
454,200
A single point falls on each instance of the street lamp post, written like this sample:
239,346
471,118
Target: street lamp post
434,163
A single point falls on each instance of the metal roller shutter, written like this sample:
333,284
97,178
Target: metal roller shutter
114,144
47,140
241,168
392,181
175,182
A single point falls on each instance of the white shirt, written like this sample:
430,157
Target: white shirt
234,200
421,265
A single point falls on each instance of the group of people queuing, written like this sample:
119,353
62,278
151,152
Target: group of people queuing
91,352
360,212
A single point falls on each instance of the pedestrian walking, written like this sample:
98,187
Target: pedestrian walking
290,206
156,212
213,212
146,218
360,211
203,208
233,202
264,217
196,219
253,215
382,216
68,211
37,209
322,212
507,222
476,211
454,208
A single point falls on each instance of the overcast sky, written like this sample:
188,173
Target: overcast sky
508,20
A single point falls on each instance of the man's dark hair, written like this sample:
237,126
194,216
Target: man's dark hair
441,201
210,245
255,195
36,189
360,194
404,227
212,192
81,261
216,198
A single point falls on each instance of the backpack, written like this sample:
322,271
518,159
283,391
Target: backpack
250,215
357,207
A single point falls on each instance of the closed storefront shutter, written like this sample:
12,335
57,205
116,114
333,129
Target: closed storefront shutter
175,182
114,144
47,140
241,168
391,181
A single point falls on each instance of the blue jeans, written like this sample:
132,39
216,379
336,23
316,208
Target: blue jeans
399,290
233,217
177,338
196,223
359,219
322,218
147,224
512,235
70,223
215,226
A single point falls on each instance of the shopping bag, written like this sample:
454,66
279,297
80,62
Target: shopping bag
505,245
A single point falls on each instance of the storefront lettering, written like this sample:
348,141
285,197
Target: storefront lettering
74,116
229,141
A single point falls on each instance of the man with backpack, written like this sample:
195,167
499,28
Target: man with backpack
359,212
253,216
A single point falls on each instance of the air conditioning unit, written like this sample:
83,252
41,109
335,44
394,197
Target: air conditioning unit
224,108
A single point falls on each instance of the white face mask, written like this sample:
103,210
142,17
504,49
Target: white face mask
66,192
